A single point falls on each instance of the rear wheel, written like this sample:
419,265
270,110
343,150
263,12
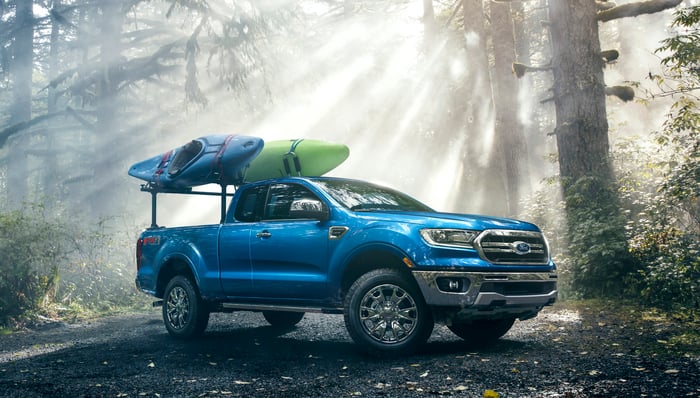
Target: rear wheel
482,330
283,319
184,313
385,313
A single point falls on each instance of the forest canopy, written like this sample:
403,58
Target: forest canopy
581,116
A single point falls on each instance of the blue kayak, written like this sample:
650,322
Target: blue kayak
213,159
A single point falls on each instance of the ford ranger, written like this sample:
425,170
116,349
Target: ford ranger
389,264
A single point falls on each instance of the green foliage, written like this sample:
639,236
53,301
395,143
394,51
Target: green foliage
32,249
683,61
55,266
100,274
546,209
671,276
665,236
681,131
600,262
588,248
662,235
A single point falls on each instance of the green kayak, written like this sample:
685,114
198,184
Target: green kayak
299,157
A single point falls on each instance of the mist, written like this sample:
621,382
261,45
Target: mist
363,81
372,79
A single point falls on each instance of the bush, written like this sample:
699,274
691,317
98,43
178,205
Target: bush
56,265
545,208
100,274
671,276
32,250
663,233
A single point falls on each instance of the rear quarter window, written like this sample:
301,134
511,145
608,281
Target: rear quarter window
251,204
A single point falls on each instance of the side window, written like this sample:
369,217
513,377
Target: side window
251,204
283,198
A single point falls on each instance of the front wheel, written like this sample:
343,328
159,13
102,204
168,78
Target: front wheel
482,330
184,313
385,313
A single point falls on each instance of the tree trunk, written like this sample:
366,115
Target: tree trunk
480,179
598,245
110,52
428,11
429,18
21,110
51,172
103,195
579,91
509,135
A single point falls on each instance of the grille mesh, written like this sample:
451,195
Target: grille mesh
519,288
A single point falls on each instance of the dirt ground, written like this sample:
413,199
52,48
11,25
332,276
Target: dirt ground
567,351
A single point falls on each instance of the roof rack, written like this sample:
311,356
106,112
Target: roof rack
155,190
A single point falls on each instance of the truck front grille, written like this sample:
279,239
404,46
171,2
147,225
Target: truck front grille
512,247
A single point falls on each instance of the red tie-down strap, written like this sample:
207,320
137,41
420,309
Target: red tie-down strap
162,165
217,164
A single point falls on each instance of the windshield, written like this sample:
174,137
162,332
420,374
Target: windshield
363,196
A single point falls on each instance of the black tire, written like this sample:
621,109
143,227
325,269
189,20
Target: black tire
386,314
184,313
483,330
283,319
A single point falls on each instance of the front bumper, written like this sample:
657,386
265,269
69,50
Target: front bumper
478,295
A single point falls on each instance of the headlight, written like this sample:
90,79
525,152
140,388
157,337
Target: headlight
449,237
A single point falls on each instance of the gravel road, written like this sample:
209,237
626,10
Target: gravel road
561,353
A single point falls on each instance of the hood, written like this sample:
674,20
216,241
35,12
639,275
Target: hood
449,220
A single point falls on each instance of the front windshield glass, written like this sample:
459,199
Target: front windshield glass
363,196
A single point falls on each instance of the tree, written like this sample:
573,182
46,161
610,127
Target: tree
22,65
116,57
596,226
478,113
428,12
509,134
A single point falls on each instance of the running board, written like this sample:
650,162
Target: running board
287,308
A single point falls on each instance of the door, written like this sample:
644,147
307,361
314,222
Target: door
234,243
289,248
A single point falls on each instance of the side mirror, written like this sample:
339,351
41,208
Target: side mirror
309,208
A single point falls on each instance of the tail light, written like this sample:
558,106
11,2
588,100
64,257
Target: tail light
139,251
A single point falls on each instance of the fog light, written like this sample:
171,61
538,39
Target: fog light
453,285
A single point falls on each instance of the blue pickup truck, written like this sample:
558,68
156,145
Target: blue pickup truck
390,264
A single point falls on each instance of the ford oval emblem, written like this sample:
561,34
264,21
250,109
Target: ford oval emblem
521,248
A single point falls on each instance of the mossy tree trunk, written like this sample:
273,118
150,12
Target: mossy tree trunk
601,263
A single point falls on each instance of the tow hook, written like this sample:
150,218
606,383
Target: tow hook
158,303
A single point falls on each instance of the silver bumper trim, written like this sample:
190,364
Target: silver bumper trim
489,298
474,297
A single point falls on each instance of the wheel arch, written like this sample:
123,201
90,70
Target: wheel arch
172,267
371,258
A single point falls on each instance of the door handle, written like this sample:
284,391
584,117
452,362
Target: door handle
263,234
